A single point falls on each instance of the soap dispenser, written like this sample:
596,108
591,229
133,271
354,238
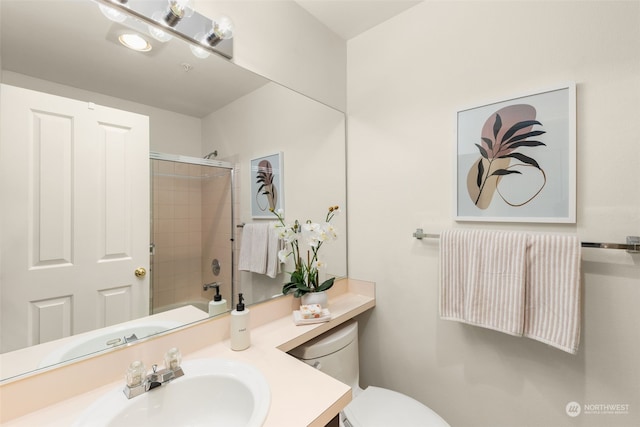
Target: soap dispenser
240,336
218,305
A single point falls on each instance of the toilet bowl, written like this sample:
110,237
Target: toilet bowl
336,353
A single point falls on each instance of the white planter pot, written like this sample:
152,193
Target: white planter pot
315,298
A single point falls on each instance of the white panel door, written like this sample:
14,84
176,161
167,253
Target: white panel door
74,220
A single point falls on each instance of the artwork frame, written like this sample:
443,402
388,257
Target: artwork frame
515,159
267,183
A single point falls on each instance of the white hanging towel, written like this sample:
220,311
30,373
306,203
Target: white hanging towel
253,248
482,278
274,244
552,306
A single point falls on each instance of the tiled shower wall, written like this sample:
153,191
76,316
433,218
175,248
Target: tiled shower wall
191,225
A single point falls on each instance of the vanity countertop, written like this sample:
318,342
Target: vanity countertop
272,334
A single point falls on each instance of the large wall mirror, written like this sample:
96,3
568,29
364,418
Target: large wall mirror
193,107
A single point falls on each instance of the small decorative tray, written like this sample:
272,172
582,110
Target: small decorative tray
298,320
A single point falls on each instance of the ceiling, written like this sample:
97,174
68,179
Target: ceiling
75,31
349,18
81,50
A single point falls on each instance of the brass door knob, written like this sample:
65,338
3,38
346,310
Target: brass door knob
140,272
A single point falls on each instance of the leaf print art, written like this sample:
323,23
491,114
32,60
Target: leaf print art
505,138
264,177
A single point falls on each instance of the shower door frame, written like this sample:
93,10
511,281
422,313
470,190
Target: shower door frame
155,155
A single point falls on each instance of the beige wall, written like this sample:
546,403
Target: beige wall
280,40
406,79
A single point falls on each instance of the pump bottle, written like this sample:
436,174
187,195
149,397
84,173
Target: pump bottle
218,305
240,335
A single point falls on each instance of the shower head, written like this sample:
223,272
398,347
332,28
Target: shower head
212,155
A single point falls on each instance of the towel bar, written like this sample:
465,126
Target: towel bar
632,245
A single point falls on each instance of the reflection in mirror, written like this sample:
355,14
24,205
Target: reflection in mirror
193,107
191,226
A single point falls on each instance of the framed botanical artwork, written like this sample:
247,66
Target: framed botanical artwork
266,185
516,159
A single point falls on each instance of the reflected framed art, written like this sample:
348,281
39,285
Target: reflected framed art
266,185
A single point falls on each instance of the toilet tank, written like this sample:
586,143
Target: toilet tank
335,353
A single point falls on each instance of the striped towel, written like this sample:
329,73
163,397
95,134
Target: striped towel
520,284
482,278
552,306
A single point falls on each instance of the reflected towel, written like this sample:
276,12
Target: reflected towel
483,278
552,307
275,243
253,248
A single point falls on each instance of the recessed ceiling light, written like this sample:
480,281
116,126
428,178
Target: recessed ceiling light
135,42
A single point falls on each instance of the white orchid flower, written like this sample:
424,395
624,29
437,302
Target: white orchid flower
283,254
311,234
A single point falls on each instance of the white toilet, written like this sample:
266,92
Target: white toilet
336,354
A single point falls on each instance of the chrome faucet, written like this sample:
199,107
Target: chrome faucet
139,382
163,376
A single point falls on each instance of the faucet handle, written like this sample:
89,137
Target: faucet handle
136,379
136,374
172,359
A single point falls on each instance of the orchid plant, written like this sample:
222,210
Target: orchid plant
309,237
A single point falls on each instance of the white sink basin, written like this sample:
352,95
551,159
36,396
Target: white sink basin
105,338
212,392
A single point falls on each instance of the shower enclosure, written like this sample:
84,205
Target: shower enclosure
191,231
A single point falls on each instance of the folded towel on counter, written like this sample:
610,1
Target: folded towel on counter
518,283
552,304
254,248
482,278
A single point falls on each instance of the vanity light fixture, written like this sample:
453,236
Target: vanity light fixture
168,19
135,41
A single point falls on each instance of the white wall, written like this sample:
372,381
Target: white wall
280,40
311,137
406,79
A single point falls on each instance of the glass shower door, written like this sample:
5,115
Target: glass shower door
191,229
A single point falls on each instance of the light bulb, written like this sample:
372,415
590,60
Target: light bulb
222,30
178,10
159,35
157,32
112,14
225,27
199,51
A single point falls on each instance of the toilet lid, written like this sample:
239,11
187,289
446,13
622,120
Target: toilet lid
379,407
